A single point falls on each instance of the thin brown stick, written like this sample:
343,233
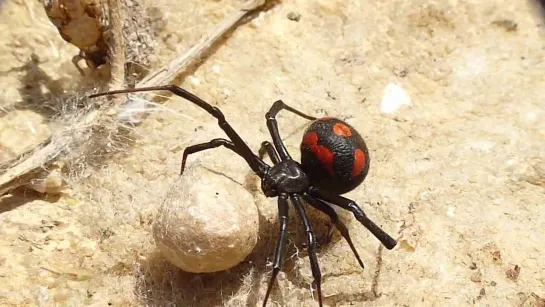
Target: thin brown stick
20,173
117,51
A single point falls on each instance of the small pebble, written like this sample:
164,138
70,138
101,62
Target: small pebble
513,273
294,16
171,41
482,293
216,69
400,71
394,97
476,276
194,80
52,183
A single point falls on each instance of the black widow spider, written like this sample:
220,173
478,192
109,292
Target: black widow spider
334,160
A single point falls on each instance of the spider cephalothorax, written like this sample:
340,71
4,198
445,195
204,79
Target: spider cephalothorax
334,160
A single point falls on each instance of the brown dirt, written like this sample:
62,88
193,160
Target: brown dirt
457,171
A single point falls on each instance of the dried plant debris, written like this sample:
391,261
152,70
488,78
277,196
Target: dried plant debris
71,137
85,24
88,131
507,24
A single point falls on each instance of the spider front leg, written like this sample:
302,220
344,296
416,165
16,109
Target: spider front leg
268,148
204,146
280,244
272,124
311,242
341,227
75,60
351,206
256,164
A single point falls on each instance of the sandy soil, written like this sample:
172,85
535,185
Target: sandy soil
449,98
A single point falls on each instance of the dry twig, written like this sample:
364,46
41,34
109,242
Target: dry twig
117,53
21,173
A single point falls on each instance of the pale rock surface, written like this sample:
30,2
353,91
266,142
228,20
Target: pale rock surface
207,222
20,131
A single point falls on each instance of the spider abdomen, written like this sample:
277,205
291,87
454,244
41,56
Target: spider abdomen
334,155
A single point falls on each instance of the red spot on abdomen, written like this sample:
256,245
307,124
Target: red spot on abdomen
310,139
322,153
342,130
359,162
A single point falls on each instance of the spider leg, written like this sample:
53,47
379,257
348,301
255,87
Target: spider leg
311,245
255,163
268,147
341,227
76,59
280,244
351,206
272,124
204,146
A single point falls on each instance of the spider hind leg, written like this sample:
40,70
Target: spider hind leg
360,216
341,227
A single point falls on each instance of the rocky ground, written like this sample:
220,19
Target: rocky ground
448,95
